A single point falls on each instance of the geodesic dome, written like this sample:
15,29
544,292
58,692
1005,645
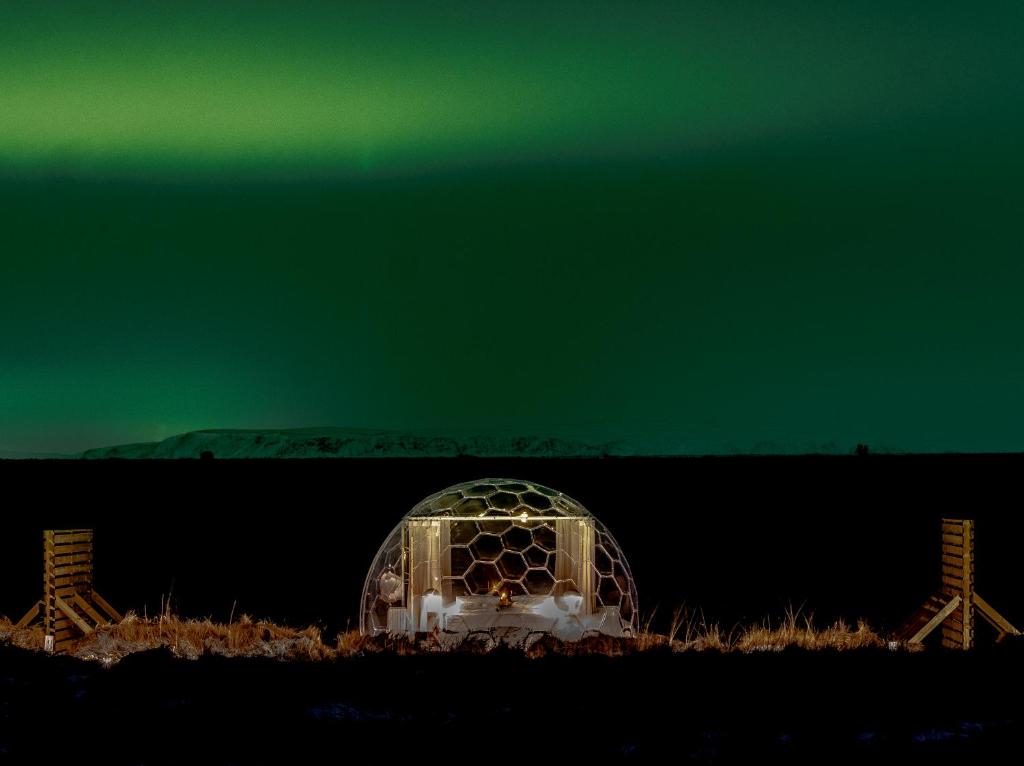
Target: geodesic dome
499,554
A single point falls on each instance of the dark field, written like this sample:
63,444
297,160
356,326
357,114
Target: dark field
694,708
739,538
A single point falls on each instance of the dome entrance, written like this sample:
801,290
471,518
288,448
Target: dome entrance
499,553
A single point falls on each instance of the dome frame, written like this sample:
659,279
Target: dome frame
503,554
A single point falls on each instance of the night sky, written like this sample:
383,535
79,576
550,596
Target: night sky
699,226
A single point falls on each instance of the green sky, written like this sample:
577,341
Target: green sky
695,225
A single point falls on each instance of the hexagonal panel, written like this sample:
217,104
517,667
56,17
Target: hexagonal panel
486,547
393,557
539,582
536,501
626,608
545,537
608,591
462,532
536,557
499,513
505,501
446,501
514,588
511,565
472,506
518,538
462,559
495,526
482,579
602,561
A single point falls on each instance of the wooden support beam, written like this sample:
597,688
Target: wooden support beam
30,616
87,608
72,615
102,604
967,586
935,621
993,618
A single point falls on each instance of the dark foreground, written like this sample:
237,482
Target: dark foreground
799,707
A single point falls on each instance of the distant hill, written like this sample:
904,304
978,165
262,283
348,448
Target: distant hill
361,442
352,442
6,454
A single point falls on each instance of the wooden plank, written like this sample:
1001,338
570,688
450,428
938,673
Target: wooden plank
54,545
71,580
30,616
957,540
993,618
86,607
953,635
949,571
81,624
936,602
60,558
64,635
953,550
66,592
73,569
952,582
74,537
935,621
102,604
953,561
67,550
952,528
72,558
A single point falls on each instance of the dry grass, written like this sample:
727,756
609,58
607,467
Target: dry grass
245,637
23,638
796,630
192,639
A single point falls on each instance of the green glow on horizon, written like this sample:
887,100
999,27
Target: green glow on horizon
694,222
179,85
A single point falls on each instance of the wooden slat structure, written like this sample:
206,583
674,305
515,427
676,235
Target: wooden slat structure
956,604
70,607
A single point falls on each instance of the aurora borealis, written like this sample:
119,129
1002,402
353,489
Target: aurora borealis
701,226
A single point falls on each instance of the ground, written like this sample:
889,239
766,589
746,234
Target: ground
693,707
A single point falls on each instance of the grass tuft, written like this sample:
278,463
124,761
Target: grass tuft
245,637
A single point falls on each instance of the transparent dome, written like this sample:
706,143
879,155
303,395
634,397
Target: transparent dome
499,554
